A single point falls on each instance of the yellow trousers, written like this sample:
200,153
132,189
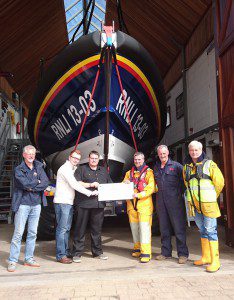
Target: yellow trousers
141,231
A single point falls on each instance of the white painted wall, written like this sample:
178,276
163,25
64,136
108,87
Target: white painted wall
175,131
201,93
201,99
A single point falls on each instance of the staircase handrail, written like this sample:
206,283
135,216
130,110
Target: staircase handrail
3,140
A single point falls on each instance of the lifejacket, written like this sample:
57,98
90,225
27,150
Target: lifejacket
139,182
200,185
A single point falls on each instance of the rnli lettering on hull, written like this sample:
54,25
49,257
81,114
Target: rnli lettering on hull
65,124
121,108
62,127
139,125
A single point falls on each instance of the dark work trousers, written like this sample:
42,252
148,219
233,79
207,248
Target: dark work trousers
95,218
172,219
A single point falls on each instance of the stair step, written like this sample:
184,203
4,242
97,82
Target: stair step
9,159
4,215
8,167
4,218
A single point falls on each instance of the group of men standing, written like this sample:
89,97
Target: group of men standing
201,179
166,180
76,193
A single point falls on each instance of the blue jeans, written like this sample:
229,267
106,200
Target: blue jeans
207,227
64,214
25,213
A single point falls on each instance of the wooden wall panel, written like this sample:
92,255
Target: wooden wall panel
199,40
225,61
160,25
174,74
29,30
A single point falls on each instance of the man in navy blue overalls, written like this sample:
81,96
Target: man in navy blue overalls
170,205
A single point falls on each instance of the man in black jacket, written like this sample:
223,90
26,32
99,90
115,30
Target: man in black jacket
88,209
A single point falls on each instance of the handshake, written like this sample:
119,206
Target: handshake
94,185
94,193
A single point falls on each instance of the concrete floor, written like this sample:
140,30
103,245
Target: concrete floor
120,277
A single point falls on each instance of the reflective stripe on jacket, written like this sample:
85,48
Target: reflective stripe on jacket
211,183
207,189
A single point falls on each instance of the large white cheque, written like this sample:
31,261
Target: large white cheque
115,191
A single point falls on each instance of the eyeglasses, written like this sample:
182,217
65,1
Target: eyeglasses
76,158
94,158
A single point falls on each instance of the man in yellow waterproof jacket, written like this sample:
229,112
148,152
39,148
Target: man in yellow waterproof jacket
204,182
140,209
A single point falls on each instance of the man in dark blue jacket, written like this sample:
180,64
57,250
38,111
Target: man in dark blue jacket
30,181
170,205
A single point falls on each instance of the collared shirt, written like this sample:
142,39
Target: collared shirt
169,180
86,174
66,184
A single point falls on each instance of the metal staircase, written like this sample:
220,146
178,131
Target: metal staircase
11,158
